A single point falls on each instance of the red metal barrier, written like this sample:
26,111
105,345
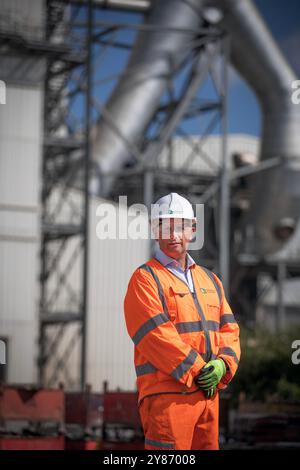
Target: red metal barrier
32,443
81,444
121,407
32,404
32,410
114,413
122,429
84,408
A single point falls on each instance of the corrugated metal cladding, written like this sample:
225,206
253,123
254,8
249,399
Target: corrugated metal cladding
111,263
25,16
18,307
110,350
20,150
26,19
20,146
182,150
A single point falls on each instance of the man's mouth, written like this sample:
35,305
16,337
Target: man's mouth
174,243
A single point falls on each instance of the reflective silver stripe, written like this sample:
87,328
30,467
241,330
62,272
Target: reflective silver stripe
163,445
228,352
189,326
213,356
159,287
218,288
184,365
144,369
213,325
227,318
148,326
192,326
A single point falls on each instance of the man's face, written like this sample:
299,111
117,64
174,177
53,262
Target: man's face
174,236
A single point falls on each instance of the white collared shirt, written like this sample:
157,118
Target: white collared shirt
175,267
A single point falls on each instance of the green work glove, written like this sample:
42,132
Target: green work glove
211,374
210,392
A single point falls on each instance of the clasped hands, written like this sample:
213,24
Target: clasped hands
210,376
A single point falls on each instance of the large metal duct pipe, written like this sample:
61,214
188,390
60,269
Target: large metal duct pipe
276,192
155,57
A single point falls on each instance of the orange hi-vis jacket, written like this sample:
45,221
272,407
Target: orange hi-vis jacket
176,332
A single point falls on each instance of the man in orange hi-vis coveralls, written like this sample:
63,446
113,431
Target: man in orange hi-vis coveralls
185,335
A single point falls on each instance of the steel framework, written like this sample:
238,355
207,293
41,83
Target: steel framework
65,218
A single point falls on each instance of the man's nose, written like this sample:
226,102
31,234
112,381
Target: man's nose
172,233
175,232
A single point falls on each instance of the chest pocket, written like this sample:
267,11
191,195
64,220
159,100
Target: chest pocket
181,303
213,311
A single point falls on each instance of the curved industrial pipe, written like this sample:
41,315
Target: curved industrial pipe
155,57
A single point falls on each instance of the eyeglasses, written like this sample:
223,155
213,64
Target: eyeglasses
166,227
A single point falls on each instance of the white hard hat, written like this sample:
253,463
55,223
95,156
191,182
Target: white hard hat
172,206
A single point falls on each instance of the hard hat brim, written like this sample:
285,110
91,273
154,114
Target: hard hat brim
172,216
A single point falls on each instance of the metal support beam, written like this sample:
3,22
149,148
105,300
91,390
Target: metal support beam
281,277
87,166
201,67
224,218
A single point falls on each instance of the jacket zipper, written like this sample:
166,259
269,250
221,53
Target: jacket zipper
208,351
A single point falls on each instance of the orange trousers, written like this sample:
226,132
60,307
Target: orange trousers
180,422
